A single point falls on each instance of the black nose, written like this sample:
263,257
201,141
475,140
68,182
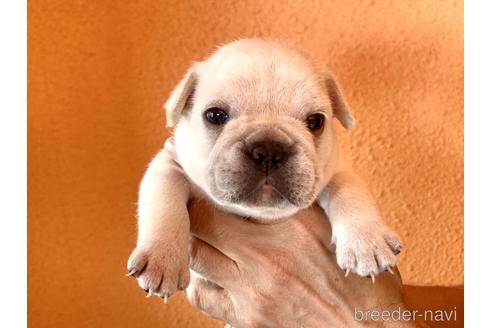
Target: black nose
268,154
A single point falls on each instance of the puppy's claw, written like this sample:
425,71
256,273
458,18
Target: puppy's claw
373,278
132,272
347,272
165,298
150,293
397,250
390,270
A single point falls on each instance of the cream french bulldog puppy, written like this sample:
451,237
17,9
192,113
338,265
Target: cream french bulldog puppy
254,134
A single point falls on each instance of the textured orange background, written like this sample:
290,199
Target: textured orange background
99,72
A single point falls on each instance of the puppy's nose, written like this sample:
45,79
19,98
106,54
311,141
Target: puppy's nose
268,154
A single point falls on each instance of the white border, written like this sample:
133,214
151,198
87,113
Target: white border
13,228
478,163
478,167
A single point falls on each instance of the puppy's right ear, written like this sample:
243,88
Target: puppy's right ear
340,107
180,96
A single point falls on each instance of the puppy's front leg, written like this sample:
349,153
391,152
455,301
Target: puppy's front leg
364,244
160,260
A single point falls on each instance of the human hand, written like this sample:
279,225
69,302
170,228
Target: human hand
279,275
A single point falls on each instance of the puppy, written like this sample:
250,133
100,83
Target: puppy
254,134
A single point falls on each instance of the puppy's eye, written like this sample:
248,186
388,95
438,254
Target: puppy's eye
315,122
216,116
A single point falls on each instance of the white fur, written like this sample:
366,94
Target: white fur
269,85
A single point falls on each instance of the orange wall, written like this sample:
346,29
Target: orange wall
99,72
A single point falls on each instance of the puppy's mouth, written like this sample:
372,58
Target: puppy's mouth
265,193
250,187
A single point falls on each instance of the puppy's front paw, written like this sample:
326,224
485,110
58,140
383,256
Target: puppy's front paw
366,249
160,269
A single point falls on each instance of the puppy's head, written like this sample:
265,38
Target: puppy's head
254,127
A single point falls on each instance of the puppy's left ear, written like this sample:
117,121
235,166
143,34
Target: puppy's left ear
339,106
180,96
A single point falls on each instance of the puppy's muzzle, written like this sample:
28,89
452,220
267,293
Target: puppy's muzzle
267,154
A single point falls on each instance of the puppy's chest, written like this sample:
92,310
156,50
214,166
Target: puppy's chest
198,194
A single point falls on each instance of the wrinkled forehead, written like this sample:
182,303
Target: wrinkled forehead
257,83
